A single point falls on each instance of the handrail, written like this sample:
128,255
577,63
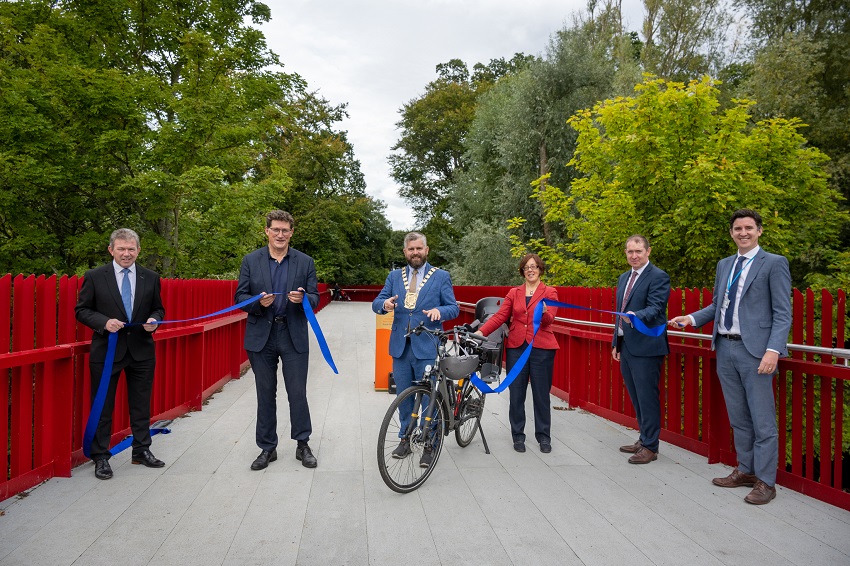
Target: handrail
834,352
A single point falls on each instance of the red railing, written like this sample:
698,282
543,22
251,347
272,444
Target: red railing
45,377
810,394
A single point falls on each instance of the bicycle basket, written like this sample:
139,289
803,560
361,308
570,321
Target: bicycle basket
458,367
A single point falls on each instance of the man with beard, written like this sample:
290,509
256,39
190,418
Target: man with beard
416,293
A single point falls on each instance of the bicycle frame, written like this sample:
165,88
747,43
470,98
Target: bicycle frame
442,387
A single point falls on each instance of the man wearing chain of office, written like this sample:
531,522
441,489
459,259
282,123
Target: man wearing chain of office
416,293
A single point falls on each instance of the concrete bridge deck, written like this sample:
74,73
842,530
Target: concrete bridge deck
582,504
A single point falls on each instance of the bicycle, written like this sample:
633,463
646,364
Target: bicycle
406,458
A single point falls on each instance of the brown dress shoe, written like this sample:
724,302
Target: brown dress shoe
761,494
631,448
643,456
736,479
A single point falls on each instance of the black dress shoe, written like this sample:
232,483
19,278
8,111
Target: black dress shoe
304,454
263,459
519,446
147,459
545,447
102,470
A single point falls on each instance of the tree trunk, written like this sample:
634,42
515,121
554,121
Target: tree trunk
544,168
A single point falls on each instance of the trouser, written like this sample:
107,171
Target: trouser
538,371
139,377
406,369
641,375
751,408
294,364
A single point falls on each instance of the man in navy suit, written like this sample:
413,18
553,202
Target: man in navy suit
751,311
644,290
112,296
277,330
417,293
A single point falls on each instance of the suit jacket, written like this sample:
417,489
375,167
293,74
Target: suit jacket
648,300
436,292
100,300
522,318
764,309
255,277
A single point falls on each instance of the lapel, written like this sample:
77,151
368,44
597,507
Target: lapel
641,280
535,298
755,267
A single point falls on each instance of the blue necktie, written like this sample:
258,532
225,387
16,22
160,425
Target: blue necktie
733,292
127,294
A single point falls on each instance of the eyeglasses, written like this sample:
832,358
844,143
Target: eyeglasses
279,231
530,268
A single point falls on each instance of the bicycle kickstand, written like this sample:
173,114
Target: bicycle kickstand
483,439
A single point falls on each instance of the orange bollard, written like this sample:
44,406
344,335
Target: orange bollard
383,360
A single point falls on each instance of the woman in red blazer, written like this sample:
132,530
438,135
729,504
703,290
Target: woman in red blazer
518,307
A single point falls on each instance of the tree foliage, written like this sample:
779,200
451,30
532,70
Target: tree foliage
429,152
162,115
801,68
671,164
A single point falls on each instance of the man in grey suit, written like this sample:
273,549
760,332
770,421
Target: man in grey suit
751,310
277,330
644,290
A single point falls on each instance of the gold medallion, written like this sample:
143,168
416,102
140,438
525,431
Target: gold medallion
410,300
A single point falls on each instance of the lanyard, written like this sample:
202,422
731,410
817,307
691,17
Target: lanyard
733,279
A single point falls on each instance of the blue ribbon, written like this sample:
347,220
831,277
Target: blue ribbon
538,316
106,376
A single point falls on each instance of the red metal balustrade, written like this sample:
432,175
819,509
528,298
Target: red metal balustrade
47,366
45,376
810,394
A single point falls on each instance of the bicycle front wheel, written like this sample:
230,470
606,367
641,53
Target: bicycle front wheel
469,415
407,457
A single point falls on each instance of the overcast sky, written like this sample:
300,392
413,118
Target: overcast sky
376,55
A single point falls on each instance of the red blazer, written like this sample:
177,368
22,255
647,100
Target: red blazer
522,318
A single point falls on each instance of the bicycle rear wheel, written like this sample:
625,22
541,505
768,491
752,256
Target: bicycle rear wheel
403,472
469,415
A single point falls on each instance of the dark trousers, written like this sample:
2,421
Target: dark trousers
538,371
641,375
139,377
295,365
406,369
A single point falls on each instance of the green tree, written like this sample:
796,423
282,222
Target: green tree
684,39
429,152
518,134
670,164
162,116
801,68
483,256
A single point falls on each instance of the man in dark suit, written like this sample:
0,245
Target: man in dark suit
427,297
277,330
112,296
644,290
751,311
